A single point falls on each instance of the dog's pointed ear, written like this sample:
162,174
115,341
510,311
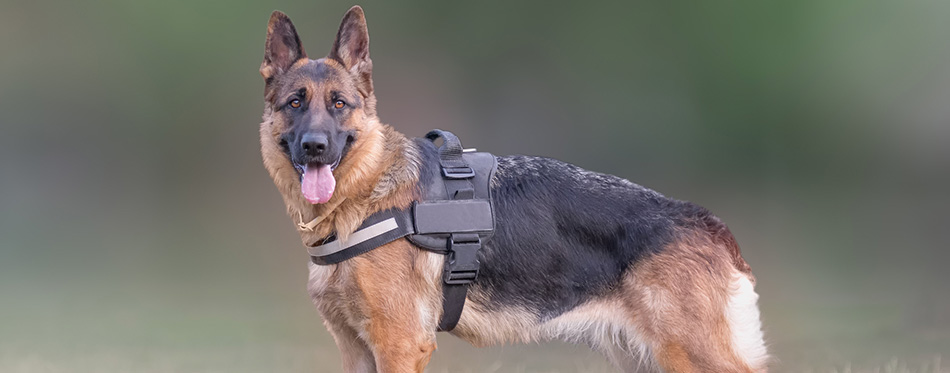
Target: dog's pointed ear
283,46
351,47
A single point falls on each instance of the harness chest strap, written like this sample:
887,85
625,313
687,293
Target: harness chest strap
455,219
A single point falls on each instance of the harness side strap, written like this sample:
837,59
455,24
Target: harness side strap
452,304
461,269
461,262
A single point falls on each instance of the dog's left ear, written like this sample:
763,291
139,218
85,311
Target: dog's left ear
351,48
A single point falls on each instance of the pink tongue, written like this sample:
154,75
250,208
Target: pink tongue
318,183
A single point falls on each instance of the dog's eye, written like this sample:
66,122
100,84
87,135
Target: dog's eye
295,103
339,104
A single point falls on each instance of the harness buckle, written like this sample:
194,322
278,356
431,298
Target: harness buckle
461,268
458,172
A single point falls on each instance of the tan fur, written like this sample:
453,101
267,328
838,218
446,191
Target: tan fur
678,297
400,340
381,307
673,358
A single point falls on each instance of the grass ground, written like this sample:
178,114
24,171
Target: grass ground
265,324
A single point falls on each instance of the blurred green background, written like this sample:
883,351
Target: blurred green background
139,231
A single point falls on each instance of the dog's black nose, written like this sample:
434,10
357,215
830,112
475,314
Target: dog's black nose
314,144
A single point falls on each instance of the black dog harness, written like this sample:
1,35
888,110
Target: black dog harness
454,218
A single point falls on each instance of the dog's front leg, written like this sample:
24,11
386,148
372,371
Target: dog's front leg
356,355
402,354
397,302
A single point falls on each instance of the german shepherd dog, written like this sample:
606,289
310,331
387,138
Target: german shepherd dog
576,255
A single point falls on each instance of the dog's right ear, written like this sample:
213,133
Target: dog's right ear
283,46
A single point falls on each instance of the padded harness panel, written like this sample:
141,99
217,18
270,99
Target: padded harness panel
447,217
483,165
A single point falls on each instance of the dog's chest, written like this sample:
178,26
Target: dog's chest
330,286
319,281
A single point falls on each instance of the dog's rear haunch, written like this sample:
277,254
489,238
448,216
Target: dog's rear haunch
651,282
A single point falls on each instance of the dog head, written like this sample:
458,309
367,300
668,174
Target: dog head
316,111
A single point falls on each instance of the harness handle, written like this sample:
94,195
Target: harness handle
450,155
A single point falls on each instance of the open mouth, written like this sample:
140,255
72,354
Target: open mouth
316,181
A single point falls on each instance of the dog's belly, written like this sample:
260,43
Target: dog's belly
598,322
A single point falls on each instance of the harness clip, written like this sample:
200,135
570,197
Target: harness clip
462,265
458,172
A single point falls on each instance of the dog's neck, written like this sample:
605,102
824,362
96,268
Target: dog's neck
381,171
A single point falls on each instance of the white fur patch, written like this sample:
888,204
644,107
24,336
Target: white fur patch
743,316
601,326
425,314
319,279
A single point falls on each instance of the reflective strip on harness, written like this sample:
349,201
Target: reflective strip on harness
356,238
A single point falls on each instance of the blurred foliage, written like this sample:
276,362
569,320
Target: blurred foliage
139,232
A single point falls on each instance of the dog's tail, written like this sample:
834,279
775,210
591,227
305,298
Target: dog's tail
721,235
742,311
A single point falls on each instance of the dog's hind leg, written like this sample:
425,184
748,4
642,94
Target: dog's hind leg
622,358
697,309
